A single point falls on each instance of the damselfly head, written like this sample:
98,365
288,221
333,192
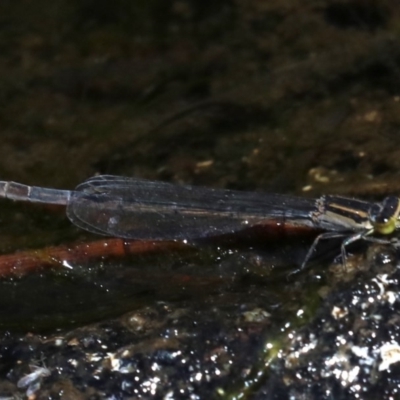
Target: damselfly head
385,216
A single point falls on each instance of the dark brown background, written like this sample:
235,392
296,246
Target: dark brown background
288,96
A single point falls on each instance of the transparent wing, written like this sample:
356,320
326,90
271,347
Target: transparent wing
140,209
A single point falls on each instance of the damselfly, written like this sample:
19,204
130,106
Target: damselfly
133,208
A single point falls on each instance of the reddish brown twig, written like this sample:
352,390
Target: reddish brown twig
23,262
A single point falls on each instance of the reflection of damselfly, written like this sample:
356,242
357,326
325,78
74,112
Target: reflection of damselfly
139,209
